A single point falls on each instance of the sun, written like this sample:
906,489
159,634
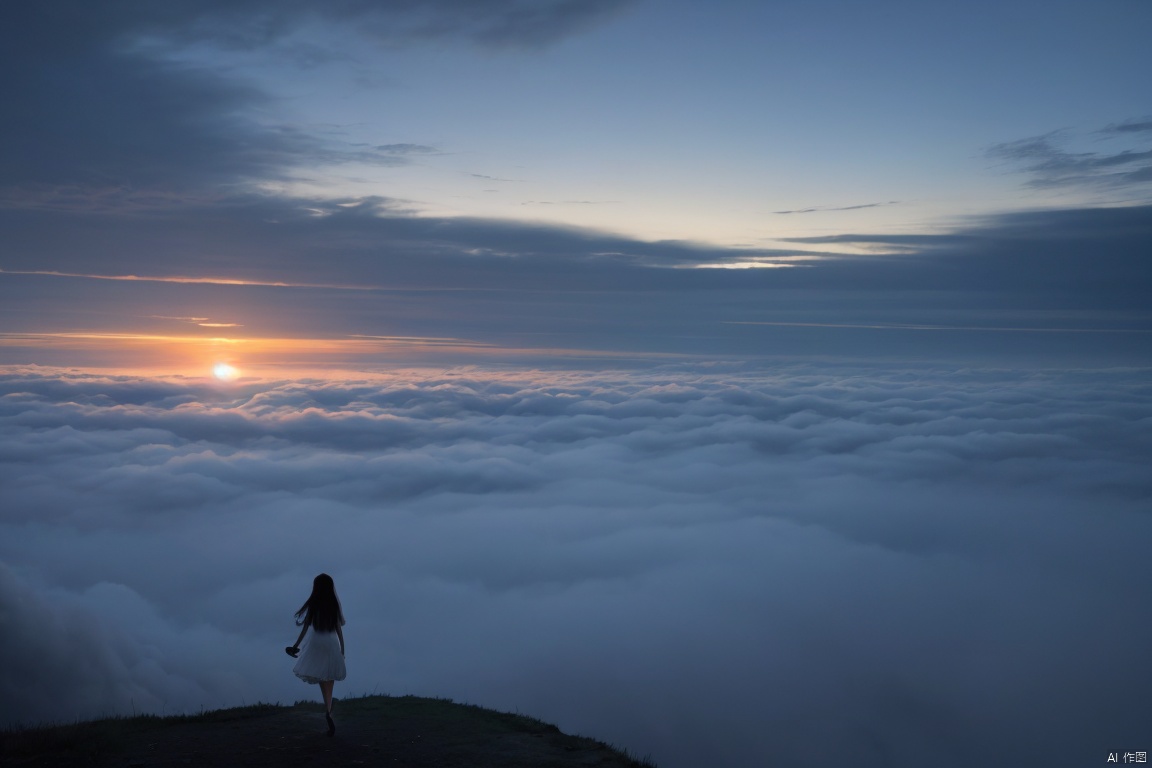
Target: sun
225,372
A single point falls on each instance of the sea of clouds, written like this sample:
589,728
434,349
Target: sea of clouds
802,565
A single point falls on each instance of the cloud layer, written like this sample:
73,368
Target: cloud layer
714,565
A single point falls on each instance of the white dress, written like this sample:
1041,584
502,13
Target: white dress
321,658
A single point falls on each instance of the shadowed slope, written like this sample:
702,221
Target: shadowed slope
374,730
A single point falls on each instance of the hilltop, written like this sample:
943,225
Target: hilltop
404,731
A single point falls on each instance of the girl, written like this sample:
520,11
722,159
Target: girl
323,659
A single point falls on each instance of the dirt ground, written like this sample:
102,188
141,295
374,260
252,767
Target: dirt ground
373,731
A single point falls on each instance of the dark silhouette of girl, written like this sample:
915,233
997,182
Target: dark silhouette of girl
323,659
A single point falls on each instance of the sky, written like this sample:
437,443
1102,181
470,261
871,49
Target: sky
616,357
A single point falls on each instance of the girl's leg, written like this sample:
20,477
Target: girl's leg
326,689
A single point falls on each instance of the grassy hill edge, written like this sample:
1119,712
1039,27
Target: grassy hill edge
410,730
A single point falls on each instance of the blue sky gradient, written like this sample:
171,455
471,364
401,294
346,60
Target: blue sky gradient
573,146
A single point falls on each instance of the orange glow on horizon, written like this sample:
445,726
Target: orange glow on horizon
198,356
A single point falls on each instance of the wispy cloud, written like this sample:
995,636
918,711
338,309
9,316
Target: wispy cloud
393,155
486,177
924,327
274,343
1049,164
569,202
203,322
1128,127
189,280
826,208
407,149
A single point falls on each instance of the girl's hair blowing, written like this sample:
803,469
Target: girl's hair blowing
322,607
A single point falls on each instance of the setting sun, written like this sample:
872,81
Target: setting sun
225,372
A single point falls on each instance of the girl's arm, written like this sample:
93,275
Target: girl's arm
340,634
303,630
